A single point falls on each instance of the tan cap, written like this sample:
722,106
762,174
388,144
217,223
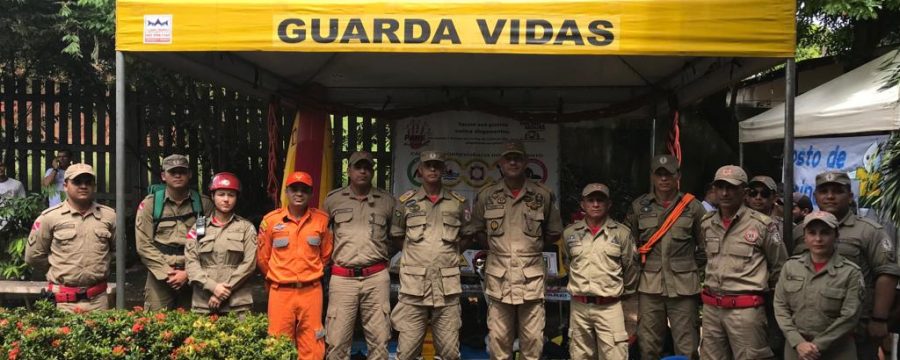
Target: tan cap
78,169
731,174
360,156
765,180
668,162
837,177
595,187
175,161
823,216
511,147
431,155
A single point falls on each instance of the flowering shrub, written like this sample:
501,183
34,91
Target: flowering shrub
45,333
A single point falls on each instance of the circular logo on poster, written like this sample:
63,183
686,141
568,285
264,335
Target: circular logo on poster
476,173
452,172
536,170
411,170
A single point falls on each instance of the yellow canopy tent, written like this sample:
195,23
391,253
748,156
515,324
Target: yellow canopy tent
527,55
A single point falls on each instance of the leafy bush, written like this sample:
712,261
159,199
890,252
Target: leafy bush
19,215
46,333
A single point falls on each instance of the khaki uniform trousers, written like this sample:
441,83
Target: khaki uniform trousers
597,332
99,302
738,334
841,349
657,312
411,320
368,296
158,295
506,321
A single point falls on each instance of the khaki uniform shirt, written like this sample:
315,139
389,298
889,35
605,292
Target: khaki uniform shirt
429,266
516,228
823,306
226,254
76,247
605,264
866,244
360,226
171,232
673,265
747,256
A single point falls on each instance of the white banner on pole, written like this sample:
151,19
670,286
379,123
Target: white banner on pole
858,156
471,142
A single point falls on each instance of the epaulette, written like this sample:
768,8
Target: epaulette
542,186
869,221
457,196
54,207
406,196
849,263
334,191
763,218
797,257
106,208
708,215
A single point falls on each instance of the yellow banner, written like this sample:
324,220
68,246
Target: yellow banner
763,28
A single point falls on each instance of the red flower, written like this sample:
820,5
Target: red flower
213,317
14,353
64,330
118,350
138,308
4,322
189,340
160,316
167,335
29,331
78,310
55,343
138,326
19,325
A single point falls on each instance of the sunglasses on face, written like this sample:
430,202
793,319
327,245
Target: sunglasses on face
763,192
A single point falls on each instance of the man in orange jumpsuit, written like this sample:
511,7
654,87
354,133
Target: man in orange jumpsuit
295,244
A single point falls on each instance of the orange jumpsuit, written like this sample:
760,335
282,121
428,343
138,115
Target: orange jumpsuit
292,256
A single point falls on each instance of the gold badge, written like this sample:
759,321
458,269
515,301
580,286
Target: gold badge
495,225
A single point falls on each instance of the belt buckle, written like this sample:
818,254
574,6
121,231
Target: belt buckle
82,290
358,272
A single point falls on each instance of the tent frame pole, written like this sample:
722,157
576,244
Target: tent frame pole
120,180
790,87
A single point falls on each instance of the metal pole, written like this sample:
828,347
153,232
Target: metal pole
741,154
653,138
790,87
120,180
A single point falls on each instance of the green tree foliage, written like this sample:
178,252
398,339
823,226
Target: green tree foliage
852,29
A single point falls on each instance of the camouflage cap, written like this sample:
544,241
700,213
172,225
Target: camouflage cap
431,155
823,216
767,181
668,162
837,177
175,161
360,156
731,174
594,187
78,169
511,147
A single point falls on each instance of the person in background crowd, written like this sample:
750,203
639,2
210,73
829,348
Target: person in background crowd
866,244
55,176
73,242
710,199
9,187
603,267
295,245
744,258
819,296
802,207
219,262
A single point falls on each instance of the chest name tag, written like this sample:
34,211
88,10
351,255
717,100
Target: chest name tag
313,240
280,243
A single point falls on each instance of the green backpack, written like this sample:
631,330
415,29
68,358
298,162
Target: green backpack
159,199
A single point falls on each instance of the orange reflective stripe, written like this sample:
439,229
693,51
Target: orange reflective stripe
670,220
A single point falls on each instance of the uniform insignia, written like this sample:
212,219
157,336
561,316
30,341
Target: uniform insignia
615,240
398,214
140,206
751,236
407,195
278,227
495,225
36,226
829,177
458,196
538,198
727,171
528,198
645,209
663,160
467,214
886,245
409,203
534,205
774,233
645,203
493,206
192,235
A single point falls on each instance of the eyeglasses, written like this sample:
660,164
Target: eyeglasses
763,192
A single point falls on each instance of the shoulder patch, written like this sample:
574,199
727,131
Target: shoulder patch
708,215
458,196
849,263
869,221
407,195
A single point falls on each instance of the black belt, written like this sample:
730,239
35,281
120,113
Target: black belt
167,249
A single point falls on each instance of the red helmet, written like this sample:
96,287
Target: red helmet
225,181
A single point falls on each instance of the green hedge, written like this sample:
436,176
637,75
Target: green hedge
46,333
